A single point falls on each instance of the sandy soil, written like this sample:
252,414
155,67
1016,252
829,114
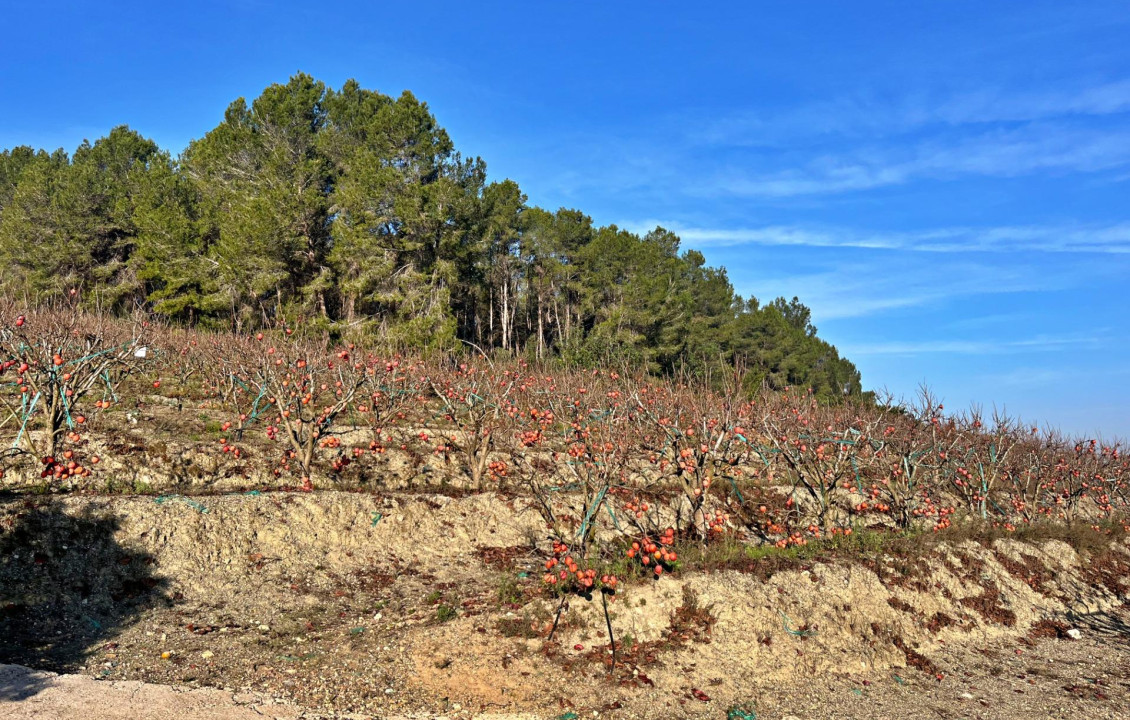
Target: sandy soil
423,606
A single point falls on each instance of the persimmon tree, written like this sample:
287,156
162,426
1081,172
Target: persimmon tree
820,449
393,393
572,455
307,386
1032,477
591,457
53,360
695,440
982,460
476,401
1090,470
911,450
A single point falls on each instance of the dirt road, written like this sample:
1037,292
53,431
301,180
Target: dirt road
26,694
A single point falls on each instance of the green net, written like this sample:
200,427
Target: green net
195,505
744,711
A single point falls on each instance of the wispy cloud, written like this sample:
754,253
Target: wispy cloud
863,115
1002,106
1001,154
845,145
1075,238
1043,343
991,322
882,141
853,290
1026,376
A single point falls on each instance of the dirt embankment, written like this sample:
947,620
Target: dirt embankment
429,605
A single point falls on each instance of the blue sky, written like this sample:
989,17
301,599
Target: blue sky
945,184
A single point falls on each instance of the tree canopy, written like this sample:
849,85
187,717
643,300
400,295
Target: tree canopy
351,212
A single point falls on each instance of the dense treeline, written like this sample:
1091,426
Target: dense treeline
350,211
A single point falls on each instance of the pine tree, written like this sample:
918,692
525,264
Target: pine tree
351,212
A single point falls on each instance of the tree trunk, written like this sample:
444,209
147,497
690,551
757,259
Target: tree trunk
505,317
541,330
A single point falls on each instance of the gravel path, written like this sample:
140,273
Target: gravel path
1064,679
29,694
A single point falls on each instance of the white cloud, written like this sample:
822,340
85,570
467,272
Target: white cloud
1063,238
864,116
834,147
1041,343
998,106
1009,153
852,290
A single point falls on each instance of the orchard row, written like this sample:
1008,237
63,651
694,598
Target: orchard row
607,456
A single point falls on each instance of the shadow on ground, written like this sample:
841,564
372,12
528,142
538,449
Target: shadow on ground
66,587
1109,627
19,683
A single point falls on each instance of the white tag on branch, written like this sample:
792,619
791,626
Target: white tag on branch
141,352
